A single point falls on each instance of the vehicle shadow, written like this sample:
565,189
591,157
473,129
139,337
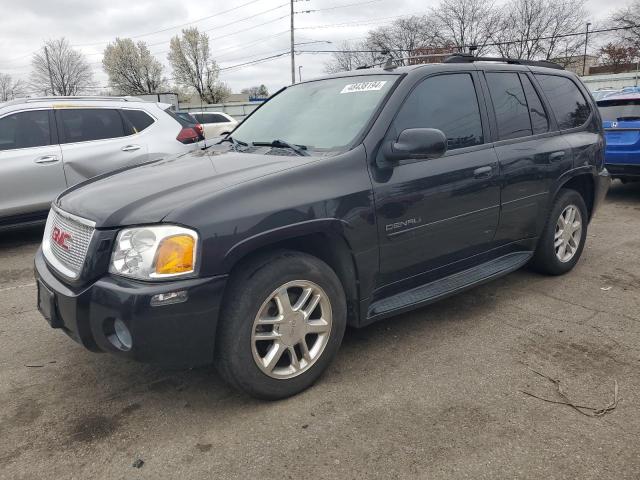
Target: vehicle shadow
626,194
20,236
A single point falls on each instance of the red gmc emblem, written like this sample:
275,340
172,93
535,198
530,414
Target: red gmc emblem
60,237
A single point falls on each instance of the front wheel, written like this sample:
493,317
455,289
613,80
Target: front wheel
564,235
282,323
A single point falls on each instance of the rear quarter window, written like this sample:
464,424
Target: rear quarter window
137,120
567,102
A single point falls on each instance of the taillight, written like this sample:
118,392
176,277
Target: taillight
188,135
199,129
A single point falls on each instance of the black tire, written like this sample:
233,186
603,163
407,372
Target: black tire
250,285
545,259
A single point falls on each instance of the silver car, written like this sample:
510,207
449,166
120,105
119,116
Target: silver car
50,144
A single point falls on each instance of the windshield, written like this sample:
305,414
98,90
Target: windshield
325,114
619,110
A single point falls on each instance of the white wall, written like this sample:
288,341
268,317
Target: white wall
613,80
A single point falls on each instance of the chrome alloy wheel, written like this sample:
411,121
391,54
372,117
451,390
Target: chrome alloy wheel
568,233
291,329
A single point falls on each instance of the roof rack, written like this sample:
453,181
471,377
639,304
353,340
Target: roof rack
97,98
469,58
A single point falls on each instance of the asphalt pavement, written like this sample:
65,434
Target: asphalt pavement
437,393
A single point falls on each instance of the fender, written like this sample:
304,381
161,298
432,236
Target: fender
286,232
589,170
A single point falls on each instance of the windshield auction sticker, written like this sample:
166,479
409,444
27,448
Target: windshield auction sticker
363,87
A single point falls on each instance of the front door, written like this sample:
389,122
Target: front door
432,213
30,166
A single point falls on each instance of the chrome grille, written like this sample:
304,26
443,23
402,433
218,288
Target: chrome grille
67,255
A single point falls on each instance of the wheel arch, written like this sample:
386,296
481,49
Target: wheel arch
583,183
320,238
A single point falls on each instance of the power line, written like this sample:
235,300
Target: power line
339,6
173,27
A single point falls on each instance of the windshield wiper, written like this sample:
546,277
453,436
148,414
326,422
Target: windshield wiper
229,138
299,149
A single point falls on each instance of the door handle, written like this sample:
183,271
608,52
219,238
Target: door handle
483,172
556,156
131,148
45,159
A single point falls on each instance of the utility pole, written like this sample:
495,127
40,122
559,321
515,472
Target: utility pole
300,74
584,58
293,58
46,54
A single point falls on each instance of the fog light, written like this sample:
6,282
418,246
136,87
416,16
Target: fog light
168,298
122,334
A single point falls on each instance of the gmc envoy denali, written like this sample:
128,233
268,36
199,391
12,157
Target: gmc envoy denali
341,201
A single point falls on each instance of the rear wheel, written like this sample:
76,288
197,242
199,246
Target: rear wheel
283,321
562,240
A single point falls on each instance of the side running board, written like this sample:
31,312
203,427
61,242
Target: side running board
447,286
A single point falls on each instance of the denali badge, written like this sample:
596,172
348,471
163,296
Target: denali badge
60,237
410,222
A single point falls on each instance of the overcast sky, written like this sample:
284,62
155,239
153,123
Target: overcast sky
235,39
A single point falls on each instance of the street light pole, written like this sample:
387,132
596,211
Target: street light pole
293,58
586,41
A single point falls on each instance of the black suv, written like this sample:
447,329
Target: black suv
341,201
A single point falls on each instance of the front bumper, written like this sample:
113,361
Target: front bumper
179,334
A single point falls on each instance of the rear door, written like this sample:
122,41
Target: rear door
530,150
30,165
97,140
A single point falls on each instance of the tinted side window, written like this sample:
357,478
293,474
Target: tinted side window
211,118
510,105
137,120
539,118
448,103
82,125
567,102
24,130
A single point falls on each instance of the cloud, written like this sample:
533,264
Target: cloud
26,24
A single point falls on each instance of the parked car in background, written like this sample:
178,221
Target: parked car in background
50,144
215,124
621,120
600,94
344,200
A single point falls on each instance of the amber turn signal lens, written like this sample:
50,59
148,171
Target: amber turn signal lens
175,255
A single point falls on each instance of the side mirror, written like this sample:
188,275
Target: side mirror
416,143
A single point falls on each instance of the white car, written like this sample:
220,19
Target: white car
215,124
50,144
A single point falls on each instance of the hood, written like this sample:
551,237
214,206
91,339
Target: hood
148,193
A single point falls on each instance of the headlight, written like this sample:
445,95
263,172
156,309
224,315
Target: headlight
154,252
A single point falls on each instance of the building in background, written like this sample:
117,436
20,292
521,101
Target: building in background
430,54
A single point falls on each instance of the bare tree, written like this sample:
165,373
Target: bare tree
617,56
404,36
541,29
628,17
351,56
131,68
67,70
10,88
465,23
193,67
260,91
